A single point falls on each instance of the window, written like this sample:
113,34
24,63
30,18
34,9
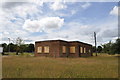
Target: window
72,49
89,51
81,50
63,49
46,49
39,49
84,50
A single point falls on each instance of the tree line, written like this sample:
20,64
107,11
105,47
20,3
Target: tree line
109,48
19,47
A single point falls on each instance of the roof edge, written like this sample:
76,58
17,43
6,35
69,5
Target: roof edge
62,41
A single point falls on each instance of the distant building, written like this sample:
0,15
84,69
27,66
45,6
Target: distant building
60,48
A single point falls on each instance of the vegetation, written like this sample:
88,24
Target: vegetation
26,66
110,48
18,47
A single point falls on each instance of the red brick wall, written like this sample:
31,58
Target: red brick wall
55,48
76,54
62,43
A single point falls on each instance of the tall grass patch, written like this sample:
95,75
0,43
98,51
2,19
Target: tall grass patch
102,66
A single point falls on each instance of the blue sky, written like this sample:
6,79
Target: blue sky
59,20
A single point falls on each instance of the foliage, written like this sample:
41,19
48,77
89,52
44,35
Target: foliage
99,49
112,48
19,46
117,44
19,41
4,45
31,48
93,49
14,48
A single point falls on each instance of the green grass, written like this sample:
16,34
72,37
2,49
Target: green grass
102,66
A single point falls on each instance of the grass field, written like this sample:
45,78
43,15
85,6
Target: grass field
102,66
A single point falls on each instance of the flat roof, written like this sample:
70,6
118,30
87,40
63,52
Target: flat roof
51,41
63,41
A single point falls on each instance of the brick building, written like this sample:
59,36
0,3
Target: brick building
60,48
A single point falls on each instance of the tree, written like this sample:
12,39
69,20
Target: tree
112,48
93,49
12,47
31,47
4,45
118,46
99,49
22,48
19,42
107,47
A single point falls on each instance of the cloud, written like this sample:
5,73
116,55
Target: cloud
8,5
86,5
58,6
108,33
15,4
13,15
5,32
28,19
45,24
73,31
114,11
22,10
76,31
37,2
62,0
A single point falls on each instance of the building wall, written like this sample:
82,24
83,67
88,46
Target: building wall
53,48
63,43
56,48
76,45
87,47
87,51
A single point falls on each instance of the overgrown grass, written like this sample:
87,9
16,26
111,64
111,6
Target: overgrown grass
19,54
102,66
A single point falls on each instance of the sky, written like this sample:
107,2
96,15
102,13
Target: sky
71,21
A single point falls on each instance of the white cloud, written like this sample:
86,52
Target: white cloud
72,31
21,9
13,14
86,5
6,33
75,31
114,11
62,0
58,6
26,10
37,2
45,24
20,32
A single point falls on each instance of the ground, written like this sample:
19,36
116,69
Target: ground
102,66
